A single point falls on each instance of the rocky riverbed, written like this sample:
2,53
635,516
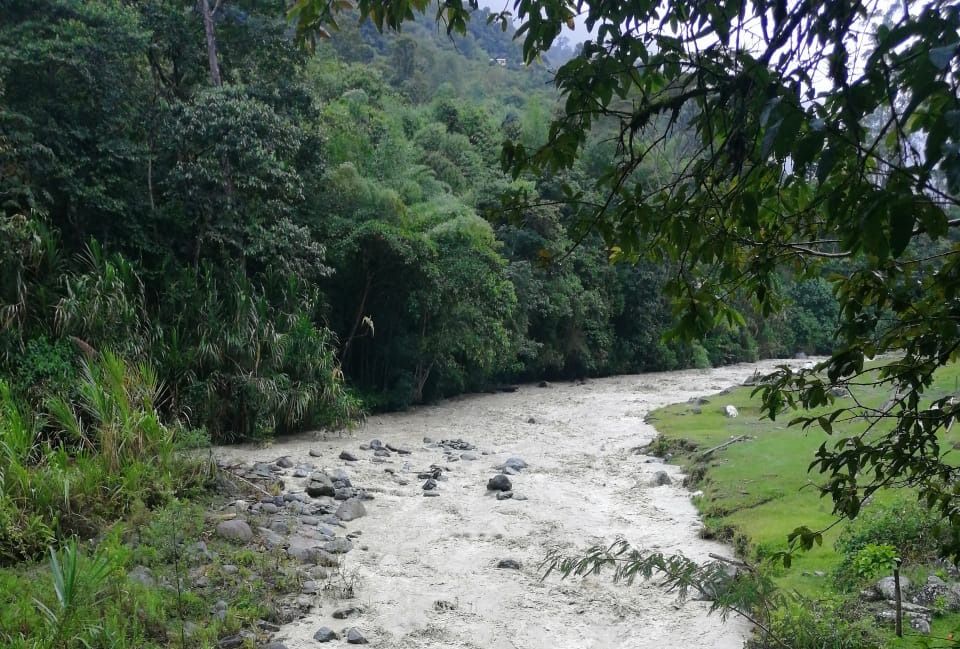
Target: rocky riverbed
426,529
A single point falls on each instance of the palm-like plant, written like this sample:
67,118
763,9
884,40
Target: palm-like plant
77,585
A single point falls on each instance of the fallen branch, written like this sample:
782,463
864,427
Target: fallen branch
727,443
233,474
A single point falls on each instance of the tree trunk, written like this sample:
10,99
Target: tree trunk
215,78
357,320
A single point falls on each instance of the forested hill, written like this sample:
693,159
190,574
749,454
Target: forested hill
316,234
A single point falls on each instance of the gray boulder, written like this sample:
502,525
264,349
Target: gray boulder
355,637
320,485
499,483
235,530
338,546
325,634
661,478
886,588
351,509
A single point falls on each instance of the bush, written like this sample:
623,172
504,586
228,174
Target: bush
904,524
810,624
101,454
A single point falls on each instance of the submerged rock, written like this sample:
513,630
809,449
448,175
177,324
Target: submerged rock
661,478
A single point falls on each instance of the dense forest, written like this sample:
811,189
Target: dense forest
301,237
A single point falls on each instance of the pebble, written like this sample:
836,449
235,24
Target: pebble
469,455
508,564
284,462
381,452
310,587
431,494
430,484
499,483
315,453
504,495
348,456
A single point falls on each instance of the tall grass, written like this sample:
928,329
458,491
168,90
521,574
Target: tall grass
87,462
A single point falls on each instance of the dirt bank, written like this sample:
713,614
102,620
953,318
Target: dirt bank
583,485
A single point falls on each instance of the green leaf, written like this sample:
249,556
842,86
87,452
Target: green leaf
901,230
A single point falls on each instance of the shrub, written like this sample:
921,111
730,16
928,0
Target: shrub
904,524
816,624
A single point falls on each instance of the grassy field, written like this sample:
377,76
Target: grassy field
756,491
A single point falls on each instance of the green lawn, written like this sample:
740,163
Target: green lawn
756,491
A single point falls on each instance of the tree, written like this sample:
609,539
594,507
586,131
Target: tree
825,131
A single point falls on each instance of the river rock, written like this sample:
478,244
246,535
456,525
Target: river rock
347,456
320,485
231,642
235,530
284,462
375,444
661,478
470,455
515,463
338,546
730,411
355,637
499,483
430,484
325,634
399,450
270,538
504,495
351,509
508,564
344,613
316,453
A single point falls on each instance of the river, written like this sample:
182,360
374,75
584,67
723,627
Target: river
584,485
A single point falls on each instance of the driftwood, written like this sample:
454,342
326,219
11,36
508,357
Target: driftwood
727,443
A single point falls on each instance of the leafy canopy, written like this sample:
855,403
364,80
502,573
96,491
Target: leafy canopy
821,136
